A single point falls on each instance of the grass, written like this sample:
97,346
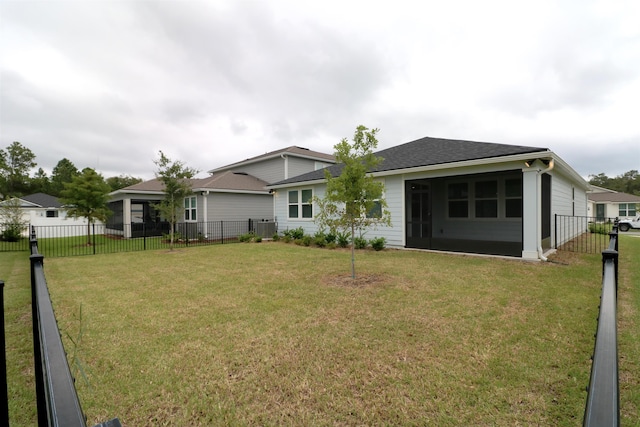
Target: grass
14,270
276,334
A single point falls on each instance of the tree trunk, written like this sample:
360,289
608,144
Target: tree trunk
353,252
88,232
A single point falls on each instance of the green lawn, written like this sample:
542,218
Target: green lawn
276,334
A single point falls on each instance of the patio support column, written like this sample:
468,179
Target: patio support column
126,217
205,218
530,212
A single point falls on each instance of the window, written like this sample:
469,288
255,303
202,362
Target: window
486,199
376,210
300,205
513,198
458,198
190,208
627,209
52,214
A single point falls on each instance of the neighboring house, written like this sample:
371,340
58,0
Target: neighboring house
44,212
457,195
236,192
605,203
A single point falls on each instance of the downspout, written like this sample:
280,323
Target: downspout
286,165
540,172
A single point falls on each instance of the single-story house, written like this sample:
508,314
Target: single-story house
605,203
236,192
48,215
456,195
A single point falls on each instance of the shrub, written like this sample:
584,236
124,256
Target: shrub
378,243
276,237
360,242
250,237
343,239
331,245
295,233
306,240
320,239
245,237
286,239
330,237
12,233
600,228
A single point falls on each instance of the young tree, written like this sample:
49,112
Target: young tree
354,200
15,163
177,186
87,196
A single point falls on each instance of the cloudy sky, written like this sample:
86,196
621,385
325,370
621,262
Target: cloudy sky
107,84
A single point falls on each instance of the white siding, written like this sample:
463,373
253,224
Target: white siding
568,200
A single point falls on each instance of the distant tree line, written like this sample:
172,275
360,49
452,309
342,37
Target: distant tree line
17,162
628,182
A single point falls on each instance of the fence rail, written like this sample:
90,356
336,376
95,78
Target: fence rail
603,399
56,397
584,234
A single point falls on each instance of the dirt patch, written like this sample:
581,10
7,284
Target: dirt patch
360,281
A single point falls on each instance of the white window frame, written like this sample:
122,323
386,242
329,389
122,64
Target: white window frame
299,204
191,209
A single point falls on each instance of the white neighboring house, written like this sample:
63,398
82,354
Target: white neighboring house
605,203
49,217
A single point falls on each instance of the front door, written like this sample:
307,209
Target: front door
418,214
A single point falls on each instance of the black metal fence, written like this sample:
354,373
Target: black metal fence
72,240
603,398
584,234
56,397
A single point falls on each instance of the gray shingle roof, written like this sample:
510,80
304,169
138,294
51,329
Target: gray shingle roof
43,200
428,152
223,181
613,198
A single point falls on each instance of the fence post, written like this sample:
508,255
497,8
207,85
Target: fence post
222,232
4,393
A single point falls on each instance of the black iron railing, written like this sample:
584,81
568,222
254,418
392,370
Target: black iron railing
603,401
584,234
70,240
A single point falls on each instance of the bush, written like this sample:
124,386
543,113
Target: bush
330,237
295,234
276,237
360,243
378,243
320,239
12,233
306,240
343,239
286,239
600,228
250,237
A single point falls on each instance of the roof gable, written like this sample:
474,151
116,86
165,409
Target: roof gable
293,151
429,152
